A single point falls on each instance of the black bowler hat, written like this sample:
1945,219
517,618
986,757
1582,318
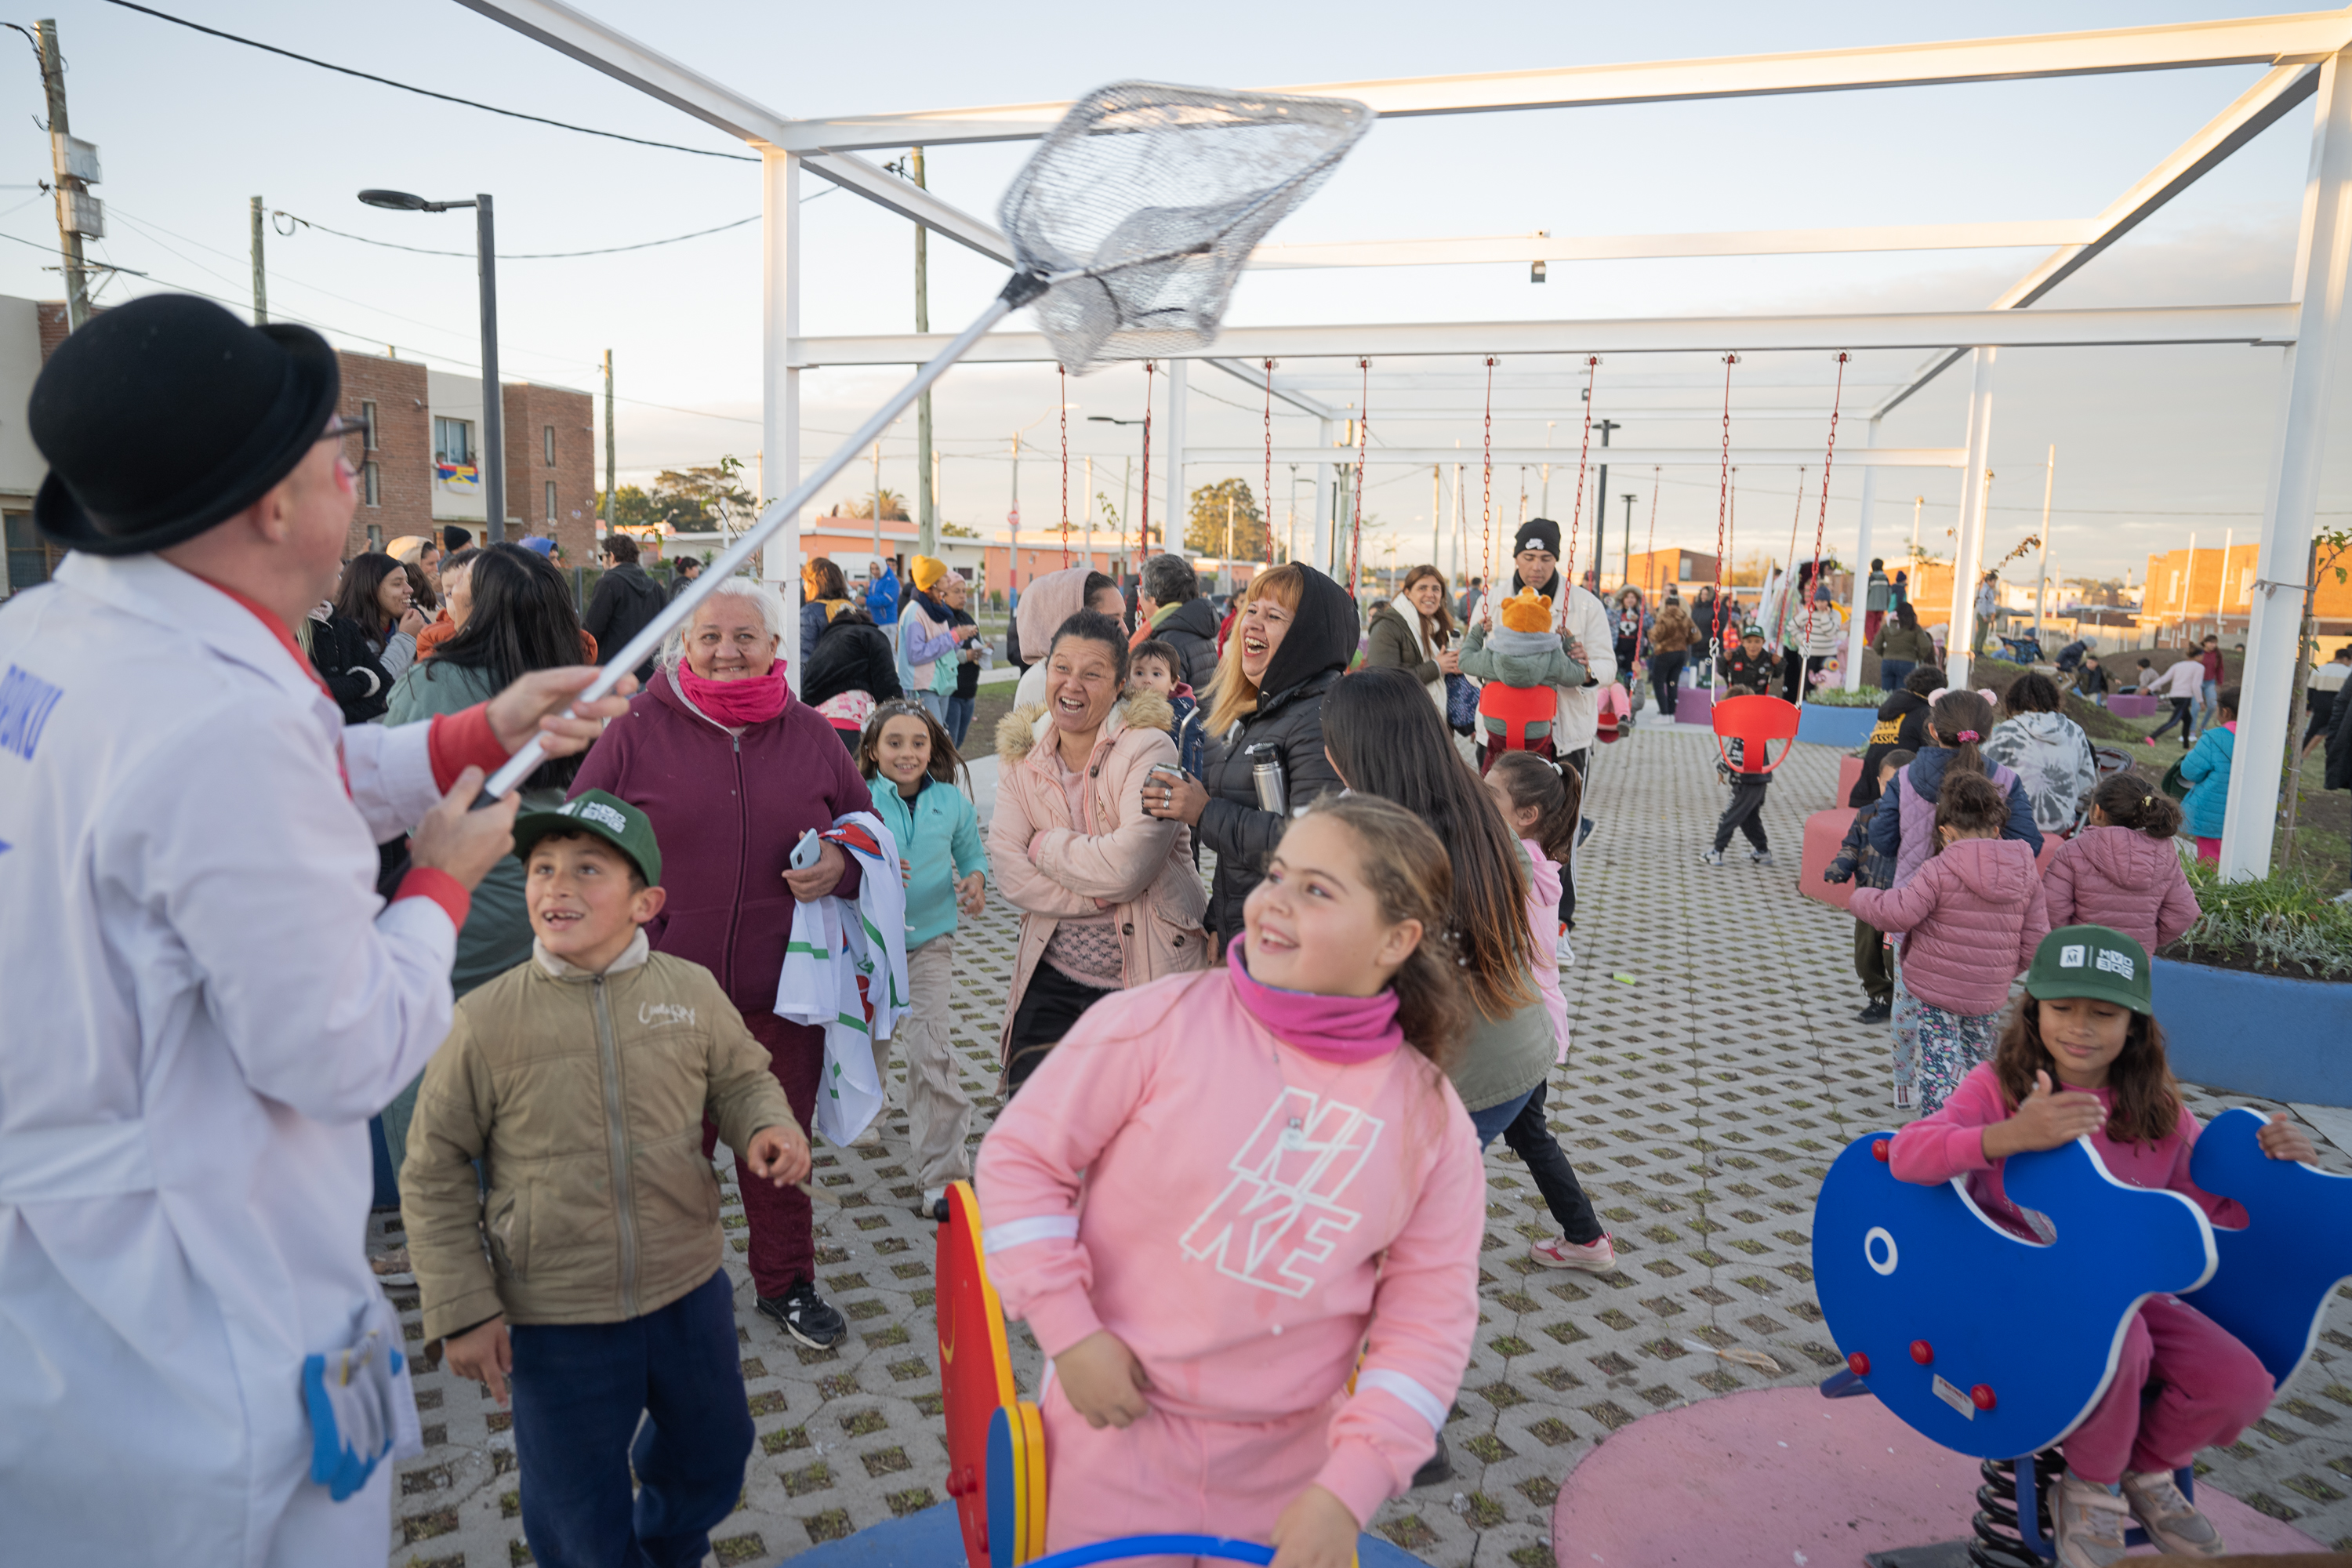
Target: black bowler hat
167,416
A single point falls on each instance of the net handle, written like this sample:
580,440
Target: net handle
642,647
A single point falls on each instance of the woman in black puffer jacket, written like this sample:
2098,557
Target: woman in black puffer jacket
850,672
1292,640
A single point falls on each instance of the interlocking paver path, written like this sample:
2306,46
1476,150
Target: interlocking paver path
1716,1068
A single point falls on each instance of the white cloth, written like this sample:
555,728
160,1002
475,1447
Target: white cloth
1578,714
1031,687
2328,677
846,972
205,1007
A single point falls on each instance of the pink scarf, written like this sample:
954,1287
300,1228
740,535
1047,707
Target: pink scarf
1341,1030
737,703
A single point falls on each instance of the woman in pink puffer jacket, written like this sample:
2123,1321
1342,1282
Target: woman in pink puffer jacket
1971,917
2123,871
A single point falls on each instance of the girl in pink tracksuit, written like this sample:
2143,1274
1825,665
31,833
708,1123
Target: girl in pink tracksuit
2083,1057
1971,917
1241,1211
2122,870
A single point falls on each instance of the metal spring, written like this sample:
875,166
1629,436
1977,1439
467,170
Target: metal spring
1998,1543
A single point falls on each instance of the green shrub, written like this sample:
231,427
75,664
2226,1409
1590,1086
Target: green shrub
1839,697
2281,924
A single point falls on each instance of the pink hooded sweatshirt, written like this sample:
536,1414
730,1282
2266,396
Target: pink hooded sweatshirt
1244,1213
1951,1144
2121,878
1543,919
1971,918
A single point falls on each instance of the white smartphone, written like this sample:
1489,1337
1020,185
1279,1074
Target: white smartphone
806,852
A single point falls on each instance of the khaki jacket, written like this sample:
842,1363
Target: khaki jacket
583,1095
1139,864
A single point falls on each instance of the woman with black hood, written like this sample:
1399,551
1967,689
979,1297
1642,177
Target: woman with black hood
1291,640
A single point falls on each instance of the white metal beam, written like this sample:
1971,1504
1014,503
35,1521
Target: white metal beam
1674,334
2254,40
1630,457
1523,248
1284,391
2256,110
621,58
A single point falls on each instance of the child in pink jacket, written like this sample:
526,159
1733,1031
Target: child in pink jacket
1971,917
2122,870
2083,1056
1241,1211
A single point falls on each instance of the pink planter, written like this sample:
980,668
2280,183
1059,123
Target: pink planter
1693,706
2132,705
1824,831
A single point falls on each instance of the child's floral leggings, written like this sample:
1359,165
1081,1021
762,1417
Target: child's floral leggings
1949,1044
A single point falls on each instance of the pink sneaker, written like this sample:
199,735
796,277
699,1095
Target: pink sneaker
1599,1257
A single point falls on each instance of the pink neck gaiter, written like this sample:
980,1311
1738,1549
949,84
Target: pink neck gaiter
1342,1029
737,703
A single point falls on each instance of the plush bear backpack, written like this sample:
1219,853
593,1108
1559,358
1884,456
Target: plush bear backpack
1519,718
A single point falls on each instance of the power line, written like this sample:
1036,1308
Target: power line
526,255
427,92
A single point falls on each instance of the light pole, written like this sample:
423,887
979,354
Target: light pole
1107,419
493,454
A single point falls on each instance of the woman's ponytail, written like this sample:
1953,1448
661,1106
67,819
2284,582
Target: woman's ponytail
1961,720
2126,801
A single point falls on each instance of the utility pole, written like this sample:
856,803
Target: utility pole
612,484
1625,570
927,521
494,435
260,274
877,500
1601,504
74,167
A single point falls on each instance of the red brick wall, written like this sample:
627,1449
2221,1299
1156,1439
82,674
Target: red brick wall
53,326
529,410
402,452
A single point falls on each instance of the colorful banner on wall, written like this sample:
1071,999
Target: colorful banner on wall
459,476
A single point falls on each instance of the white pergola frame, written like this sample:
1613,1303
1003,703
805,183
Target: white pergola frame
2308,57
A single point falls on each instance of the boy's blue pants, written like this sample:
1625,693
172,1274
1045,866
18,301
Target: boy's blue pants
579,1392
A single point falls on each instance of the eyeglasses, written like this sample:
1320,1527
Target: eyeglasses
342,429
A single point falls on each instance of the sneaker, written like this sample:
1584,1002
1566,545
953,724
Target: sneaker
1439,1467
806,1316
391,1267
1876,1013
2171,1520
1711,857
1593,1257
1564,955
2147,740
1585,829
932,1205
1760,856
2090,1524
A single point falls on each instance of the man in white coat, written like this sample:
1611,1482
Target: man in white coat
1592,644
206,998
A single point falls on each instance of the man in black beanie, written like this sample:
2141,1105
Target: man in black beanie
207,999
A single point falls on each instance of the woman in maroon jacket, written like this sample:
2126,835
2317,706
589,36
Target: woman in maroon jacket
732,769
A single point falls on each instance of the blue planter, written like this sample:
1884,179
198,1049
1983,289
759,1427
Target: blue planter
1845,728
2257,1034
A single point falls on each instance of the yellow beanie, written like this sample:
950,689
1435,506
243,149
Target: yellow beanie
927,570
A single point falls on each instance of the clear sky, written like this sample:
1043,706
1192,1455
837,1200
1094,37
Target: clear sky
2151,443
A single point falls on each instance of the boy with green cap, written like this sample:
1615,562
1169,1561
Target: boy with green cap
582,1265
2082,1057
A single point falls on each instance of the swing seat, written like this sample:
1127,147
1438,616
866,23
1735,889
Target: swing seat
1755,721
1508,713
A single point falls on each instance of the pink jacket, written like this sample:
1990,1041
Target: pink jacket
1244,1217
1121,858
2121,878
1951,1144
1543,915
1972,917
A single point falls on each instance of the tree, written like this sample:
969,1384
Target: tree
1205,531
632,508
694,500
955,530
894,507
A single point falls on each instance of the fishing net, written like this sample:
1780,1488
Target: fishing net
1140,209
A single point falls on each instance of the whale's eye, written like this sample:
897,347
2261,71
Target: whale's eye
1872,1241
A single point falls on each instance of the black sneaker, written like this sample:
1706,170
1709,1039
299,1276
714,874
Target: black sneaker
1440,1467
806,1316
1876,1013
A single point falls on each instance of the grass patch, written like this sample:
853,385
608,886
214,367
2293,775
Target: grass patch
2282,924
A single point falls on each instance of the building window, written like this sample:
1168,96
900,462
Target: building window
28,558
367,417
372,484
547,444
551,501
375,536
453,440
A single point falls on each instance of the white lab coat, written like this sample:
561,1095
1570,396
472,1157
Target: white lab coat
1586,619
205,1007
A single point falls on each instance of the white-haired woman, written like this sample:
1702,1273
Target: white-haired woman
732,769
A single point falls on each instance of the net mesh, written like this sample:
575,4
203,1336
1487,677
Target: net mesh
1143,204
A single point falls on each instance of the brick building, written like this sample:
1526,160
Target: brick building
551,459
396,478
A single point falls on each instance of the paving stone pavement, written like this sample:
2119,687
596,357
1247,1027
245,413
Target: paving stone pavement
1716,1068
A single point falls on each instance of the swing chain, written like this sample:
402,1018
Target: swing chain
1487,501
1576,518
1265,501
1363,434
1143,523
1821,525
1065,468
1722,514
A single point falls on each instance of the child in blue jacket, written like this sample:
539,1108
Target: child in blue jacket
946,867
2207,769
1157,667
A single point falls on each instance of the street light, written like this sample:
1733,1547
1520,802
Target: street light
1146,543
493,456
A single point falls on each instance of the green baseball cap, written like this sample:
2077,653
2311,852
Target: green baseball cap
2094,962
608,816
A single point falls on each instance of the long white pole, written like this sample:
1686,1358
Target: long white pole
639,649
2042,565
1855,639
1968,558
780,309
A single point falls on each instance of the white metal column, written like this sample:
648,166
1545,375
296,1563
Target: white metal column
1174,516
780,380
2323,260
1320,557
1968,560
1855,641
